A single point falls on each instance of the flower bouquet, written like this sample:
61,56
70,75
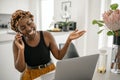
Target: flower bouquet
111,21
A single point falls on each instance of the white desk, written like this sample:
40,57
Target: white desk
107,76
97,76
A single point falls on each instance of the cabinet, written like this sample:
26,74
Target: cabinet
8,7
7,69
60,37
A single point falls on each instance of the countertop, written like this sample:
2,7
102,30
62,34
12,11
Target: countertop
6,35
60,33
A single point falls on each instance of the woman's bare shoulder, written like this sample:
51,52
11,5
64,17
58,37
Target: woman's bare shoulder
47,33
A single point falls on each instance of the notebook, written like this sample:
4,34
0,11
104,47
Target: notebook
79,68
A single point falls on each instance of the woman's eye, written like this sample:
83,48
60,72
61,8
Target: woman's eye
22,28
29,23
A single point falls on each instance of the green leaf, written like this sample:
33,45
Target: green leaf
114,6
100,24
100,31
110,33
100,21
94,22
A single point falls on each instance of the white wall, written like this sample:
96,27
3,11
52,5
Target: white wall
9,7
35,8
92,36
83,12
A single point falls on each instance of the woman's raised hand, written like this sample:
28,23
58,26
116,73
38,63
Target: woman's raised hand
76,34
18,41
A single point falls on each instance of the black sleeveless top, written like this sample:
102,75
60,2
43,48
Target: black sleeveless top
37,55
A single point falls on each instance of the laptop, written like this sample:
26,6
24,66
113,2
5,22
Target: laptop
79,68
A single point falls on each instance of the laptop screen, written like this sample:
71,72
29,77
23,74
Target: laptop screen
80,68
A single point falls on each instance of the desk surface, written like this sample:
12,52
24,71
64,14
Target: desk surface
97,76
106,76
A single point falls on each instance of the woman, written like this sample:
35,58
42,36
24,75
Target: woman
32,48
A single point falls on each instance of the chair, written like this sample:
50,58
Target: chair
71,52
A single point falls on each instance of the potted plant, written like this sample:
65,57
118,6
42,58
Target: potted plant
65,25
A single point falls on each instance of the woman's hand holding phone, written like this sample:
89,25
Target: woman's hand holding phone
18,41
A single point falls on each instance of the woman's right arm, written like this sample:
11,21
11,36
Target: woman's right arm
18,51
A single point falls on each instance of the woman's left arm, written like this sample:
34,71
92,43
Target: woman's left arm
59,53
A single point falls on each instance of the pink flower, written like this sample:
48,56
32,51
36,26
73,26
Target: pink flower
112,19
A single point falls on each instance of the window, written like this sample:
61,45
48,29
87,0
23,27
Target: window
47,13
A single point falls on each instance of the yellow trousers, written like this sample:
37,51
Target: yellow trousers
31,74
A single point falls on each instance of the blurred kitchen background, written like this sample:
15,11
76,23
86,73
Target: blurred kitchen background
48,14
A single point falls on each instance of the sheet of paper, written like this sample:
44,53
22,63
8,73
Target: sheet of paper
48,76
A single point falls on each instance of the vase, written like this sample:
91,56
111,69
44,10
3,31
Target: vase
102,61
115,63
65,28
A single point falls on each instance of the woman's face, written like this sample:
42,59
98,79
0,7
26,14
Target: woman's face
27,27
